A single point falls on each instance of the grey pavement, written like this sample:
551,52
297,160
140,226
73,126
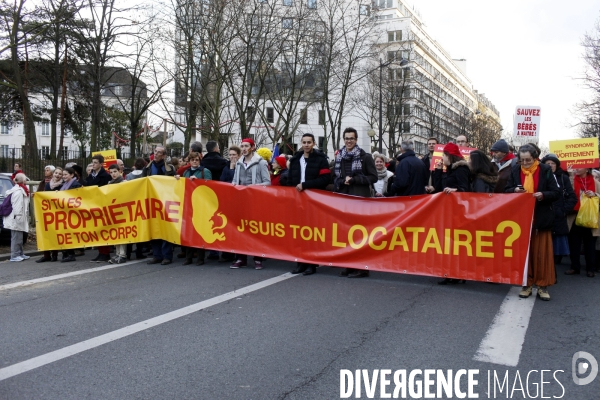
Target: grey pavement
288,340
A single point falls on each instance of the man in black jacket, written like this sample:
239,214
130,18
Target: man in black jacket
98,176
411,174
309,169
213,160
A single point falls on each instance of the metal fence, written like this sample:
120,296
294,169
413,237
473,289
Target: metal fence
33,164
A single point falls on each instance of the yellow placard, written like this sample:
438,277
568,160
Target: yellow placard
122,213
576,153
110,157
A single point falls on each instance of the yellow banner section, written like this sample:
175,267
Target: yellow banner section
127,212
110,157
576,153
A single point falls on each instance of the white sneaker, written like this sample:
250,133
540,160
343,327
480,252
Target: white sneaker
16,259
24,257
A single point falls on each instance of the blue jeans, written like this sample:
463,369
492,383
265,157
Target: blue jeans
162,250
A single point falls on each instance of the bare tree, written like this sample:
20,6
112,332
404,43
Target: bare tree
349,37
589,110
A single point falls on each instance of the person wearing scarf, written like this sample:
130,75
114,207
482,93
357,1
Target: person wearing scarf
53,184
584,185
48,172
383,175
56,182
16,170
18,220
355,174
530,178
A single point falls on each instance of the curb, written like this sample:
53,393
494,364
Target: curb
30,253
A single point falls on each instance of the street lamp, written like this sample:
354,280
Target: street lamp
403,62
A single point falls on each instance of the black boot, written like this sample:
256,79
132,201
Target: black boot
310,270
300,268
200,257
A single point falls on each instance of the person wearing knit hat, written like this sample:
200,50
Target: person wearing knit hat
456,179
562,207
265,153
250,169
504,159
279,167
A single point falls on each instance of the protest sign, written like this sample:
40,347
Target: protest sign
110,157
527,124
576,153
474,236
438,152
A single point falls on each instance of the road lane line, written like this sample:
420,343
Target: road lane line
36,362
66,275
504,339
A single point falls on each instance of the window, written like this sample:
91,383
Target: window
4,129
321,118
118,90
304,117
4,151
364,10
250,114
65,152
395,36
45,128
321,141
406,109
287,23
405,127
287,2
311,4
391,55
385,3
270,115
45,152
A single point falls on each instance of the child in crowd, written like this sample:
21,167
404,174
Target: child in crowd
120,249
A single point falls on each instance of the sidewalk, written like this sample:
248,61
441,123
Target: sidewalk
29,248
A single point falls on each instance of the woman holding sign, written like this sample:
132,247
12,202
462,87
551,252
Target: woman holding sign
532,178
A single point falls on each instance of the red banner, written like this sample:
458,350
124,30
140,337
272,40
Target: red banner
482,237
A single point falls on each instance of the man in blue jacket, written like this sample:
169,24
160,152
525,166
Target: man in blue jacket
411,174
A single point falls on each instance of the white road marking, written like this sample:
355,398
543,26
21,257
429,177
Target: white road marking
66,275
504,339
77,348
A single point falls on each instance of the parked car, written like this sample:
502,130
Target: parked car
5,184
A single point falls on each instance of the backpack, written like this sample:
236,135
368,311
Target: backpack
6,207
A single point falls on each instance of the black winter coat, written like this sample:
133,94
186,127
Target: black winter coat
456,177
316,175
362,182
543,217
564,205
227,174
482,183
411,175
101,179
214,163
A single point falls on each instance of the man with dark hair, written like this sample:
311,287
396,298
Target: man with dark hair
431,142
213,161
504,159
462,141
99,177
411,174
355,174
309,169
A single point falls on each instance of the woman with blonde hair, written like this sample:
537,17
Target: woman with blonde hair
383,175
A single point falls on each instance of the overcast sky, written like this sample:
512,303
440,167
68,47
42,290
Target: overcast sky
519,52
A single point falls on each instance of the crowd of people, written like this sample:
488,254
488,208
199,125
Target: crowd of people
355,172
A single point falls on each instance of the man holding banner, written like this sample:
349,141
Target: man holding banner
309,169
355,174
99,177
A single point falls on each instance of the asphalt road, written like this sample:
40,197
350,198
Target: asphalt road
288,338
